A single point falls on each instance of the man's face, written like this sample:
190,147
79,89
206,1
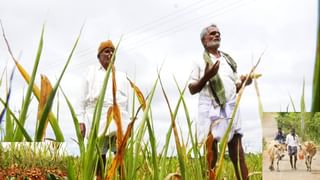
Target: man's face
212,38
105,56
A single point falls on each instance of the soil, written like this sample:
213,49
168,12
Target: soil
31,173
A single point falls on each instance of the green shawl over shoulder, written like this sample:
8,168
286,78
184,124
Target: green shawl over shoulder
215,83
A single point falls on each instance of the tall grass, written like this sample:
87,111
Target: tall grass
18,131
136,156
33,160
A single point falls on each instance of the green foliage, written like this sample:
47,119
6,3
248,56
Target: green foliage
293,120
41,126
312,127
23,157
31,155
27,100
141,159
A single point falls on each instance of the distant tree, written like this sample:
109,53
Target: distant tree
288,120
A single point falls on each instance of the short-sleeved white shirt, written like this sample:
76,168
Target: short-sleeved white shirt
292,141
208,109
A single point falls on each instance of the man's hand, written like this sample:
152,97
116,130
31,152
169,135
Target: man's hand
211,70
243,78
82,129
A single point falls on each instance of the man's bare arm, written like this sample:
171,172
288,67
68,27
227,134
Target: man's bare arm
210,71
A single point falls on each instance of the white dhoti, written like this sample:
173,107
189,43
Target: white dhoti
218,117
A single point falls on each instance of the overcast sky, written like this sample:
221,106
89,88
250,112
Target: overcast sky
168,31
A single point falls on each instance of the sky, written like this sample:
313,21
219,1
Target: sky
166,32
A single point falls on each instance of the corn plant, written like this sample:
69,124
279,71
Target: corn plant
224,139
316,74
136,158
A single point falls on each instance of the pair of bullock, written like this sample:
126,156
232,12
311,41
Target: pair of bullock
276,152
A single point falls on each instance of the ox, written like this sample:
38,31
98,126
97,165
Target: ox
309,150
275,152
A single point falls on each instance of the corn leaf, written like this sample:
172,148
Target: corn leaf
109,119
7,97
41,128
9,127
116,110
292,103
209,144
24,132
303,110
145,120
45,91
76,124
71,172
224,140
193,140
131,160
9,123
35,89
316,74
27,100
118,159
259,98
139,94
181,153
36,92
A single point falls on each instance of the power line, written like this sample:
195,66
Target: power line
191,7
177,28
184,25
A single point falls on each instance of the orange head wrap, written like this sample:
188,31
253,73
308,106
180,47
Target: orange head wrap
105,44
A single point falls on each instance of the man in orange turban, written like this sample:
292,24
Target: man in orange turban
93,82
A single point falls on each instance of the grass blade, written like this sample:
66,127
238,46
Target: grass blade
316,74
24,132
139,94
71,172
40,129
292,103
303,110
45,91
224,140
181,153
27,100
35,89
76,124
145,119
9,123
116,110
193,141
118,159
255,81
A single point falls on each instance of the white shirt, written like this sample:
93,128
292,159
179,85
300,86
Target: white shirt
91,90
290,141
208,109
228,78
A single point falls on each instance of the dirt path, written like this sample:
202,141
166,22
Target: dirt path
286,173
